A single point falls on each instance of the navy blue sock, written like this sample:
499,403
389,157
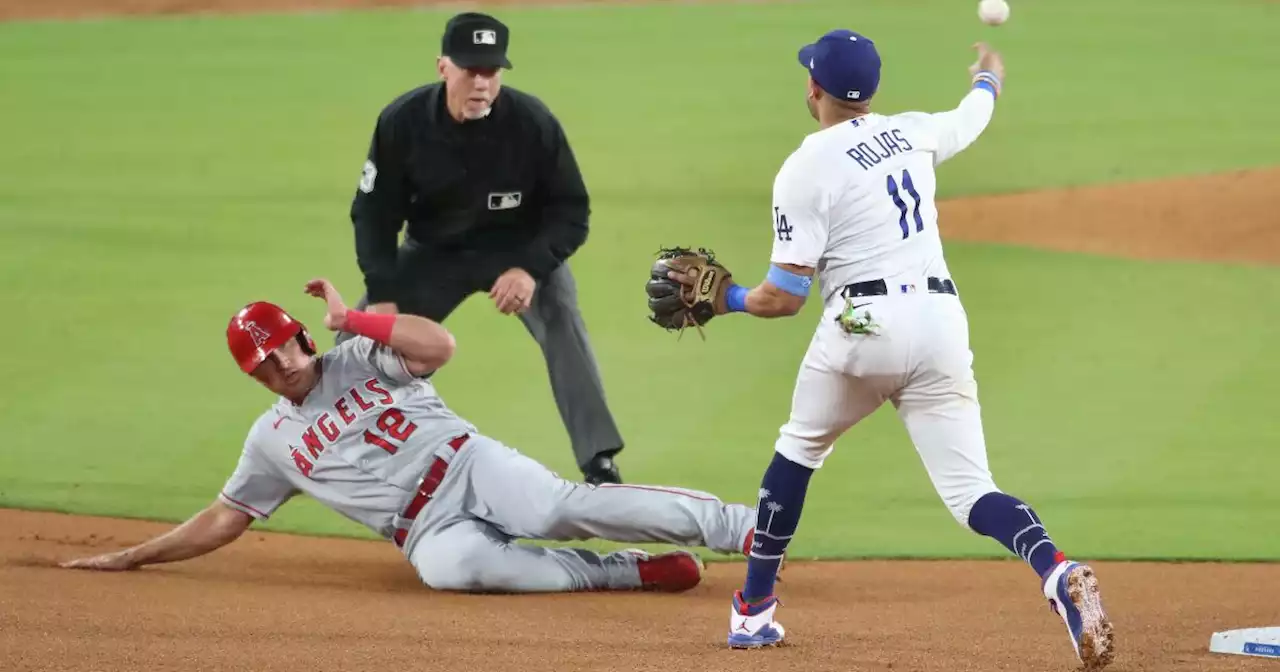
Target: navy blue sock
781,498
1007,520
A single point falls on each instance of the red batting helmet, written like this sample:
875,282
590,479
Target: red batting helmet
258,329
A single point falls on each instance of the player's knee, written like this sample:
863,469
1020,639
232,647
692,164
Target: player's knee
456,568
805,453
448,574
555,522
960,499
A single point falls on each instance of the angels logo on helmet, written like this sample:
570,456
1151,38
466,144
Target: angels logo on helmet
258,334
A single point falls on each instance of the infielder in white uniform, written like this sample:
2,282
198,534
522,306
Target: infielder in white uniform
362,430
855,205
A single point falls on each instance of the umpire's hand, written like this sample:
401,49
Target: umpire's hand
513,292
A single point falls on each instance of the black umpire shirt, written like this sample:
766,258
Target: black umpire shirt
505,188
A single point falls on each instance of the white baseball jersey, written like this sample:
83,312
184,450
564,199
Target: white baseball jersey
359,443
856,200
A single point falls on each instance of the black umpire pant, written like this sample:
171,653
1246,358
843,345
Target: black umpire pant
440,282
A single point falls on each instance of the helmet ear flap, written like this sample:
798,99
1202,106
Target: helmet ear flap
305,340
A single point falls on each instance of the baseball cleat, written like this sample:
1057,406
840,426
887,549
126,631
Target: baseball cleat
1072,590
751,626
673,572
601,469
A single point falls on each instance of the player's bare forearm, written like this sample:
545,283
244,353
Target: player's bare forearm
424,344
211,529
766,300
782,298
207,531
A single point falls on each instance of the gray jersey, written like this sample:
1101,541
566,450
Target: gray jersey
359,443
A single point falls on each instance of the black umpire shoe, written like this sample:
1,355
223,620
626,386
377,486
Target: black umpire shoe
601,469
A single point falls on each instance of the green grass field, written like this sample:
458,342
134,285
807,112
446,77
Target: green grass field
163,172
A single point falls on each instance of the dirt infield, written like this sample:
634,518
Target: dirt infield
1232,217
277,603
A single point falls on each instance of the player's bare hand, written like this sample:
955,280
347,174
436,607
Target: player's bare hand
336,318
119,561
513,291
687,278
988,59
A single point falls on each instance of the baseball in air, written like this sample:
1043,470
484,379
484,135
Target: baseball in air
993,12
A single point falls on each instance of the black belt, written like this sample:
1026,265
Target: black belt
881,288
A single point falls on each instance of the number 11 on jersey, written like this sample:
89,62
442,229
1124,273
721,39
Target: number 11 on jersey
902,205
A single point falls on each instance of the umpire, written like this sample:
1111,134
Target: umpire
494,201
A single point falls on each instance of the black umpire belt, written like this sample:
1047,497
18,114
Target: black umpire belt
881,288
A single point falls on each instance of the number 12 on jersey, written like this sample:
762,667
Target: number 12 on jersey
902,205
394,424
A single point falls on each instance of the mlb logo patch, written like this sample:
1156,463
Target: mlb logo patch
484,37
504,200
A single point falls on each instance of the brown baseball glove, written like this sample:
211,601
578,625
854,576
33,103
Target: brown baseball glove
692,300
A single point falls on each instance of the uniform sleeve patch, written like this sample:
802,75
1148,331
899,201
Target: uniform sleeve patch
367,177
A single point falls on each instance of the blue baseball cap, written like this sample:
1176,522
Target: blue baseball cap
845,64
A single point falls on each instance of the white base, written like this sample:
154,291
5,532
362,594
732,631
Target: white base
1262,642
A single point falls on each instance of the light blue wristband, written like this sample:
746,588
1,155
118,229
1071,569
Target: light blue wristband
791,283
987,80
735,298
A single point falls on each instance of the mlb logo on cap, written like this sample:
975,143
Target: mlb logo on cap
845,64
475,40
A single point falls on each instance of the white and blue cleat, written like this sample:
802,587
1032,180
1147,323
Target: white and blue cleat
1072,590
751,626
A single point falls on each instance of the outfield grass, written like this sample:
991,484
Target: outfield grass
140,176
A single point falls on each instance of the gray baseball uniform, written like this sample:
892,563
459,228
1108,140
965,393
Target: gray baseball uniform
377,445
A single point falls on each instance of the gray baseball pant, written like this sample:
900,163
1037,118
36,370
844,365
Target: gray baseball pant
491,496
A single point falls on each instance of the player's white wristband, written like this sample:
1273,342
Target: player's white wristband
985,79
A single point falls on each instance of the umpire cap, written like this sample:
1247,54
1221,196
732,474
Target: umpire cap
475,40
